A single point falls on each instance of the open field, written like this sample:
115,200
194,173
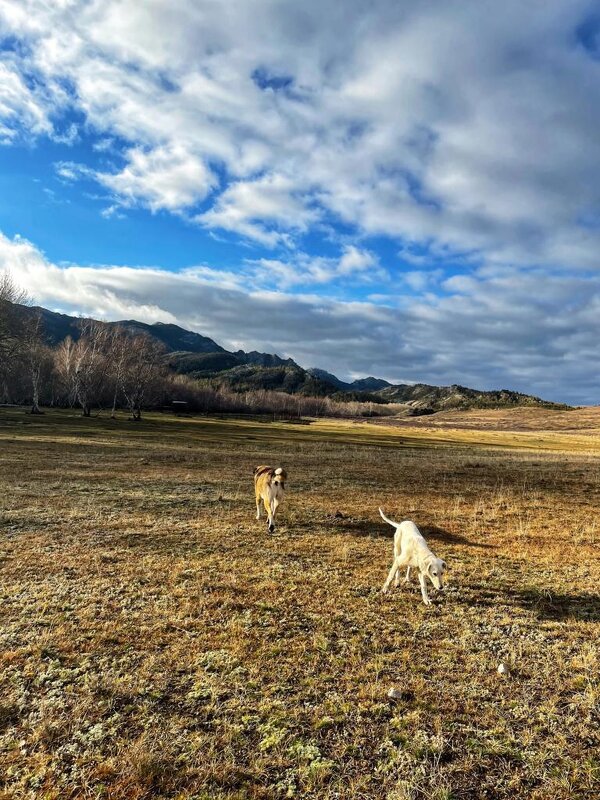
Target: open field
524,418
157,642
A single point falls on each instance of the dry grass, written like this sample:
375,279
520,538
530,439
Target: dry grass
523,418
156,642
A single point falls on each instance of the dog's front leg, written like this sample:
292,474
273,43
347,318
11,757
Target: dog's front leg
407,578
423,583
271,507
267,504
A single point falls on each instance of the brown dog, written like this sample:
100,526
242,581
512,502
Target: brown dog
269,486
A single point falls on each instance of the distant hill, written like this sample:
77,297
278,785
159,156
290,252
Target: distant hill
173,337
201,363
361,385
421,396
59,326
287,378
264,359
369,385
203,359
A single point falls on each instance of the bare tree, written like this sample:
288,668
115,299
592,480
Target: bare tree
90,362
64,361
142,369
117,350
11,295
37,356
82,365
11,326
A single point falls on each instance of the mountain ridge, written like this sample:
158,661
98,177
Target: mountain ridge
203,359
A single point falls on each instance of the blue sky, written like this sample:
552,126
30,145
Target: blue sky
390,188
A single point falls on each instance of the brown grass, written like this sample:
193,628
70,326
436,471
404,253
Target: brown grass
157,642
522,418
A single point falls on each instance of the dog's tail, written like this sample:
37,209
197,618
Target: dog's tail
389,521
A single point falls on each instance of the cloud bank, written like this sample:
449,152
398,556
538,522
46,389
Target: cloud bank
497,328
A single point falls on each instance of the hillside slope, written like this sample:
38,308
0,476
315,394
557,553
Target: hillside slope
441,398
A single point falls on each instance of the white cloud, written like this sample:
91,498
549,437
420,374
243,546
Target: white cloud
419,280
22,109
166,177
502,328
69,171
253,208
353,266
354,260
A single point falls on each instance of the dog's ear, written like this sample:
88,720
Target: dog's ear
444,565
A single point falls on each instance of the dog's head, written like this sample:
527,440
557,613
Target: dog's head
279,477
436,570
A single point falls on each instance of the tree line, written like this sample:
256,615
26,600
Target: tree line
107,368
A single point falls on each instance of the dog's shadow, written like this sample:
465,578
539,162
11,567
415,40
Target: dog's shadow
544,603
359,527
339,523
434,534
556,606
375,529
437,534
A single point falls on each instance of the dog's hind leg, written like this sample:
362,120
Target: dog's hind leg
397,578
390,577
257,505
407,578
396,566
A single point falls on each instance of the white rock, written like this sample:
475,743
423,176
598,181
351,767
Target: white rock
395,694
502,669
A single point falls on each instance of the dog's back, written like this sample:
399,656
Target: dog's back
263,475
408,537
407,534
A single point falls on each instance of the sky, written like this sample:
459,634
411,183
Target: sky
399,189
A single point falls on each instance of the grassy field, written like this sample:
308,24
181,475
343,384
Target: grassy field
585,420
157,642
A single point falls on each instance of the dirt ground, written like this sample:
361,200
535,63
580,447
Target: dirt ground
157,642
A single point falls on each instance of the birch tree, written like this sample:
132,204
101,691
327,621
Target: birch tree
142,368
118,346
38,358
82,365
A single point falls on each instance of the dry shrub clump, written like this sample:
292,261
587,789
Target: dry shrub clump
157,642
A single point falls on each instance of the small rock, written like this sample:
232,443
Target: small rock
395,694
502,669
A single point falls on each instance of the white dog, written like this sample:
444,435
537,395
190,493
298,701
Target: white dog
410,550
